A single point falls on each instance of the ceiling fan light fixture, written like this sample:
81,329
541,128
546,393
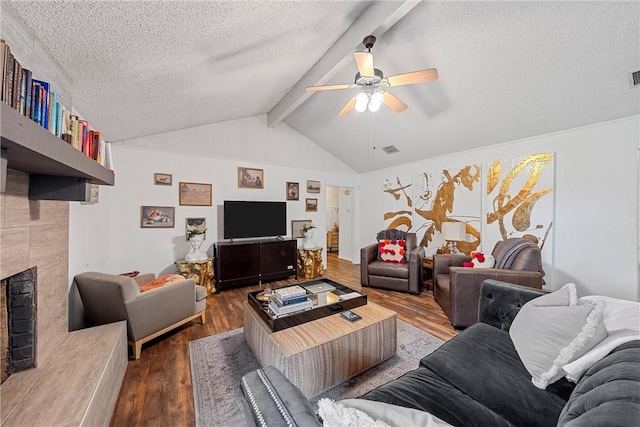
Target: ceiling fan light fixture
376,101
361,102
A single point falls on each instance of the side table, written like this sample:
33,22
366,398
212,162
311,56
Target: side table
310,263
427,272
200,271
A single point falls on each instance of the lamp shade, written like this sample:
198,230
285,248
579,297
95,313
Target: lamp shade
454,231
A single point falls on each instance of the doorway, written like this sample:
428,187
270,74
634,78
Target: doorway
339,203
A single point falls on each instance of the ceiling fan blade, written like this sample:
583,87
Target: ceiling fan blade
394,103
421,76
327,87
347,108
364,61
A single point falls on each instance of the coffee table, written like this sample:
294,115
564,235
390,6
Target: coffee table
320,354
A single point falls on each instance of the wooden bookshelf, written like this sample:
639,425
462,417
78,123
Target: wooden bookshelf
32,149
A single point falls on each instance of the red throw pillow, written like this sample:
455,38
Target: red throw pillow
392,251
161,281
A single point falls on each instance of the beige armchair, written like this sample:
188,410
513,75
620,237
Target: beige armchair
109,298
457,288
405,277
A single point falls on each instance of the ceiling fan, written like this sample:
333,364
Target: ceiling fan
371,84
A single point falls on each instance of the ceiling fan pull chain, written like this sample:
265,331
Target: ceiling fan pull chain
372,125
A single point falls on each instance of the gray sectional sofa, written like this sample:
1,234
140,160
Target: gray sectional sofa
477,379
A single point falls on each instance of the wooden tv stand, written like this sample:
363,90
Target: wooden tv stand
244,262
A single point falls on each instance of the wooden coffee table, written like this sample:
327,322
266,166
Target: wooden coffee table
318,355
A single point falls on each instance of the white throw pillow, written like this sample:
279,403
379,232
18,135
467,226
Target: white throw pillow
395,415
335,414
553,330
622,320
489,262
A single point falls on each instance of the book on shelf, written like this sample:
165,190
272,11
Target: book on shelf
3,61
35,99
44,102
290,292
8,80
290,308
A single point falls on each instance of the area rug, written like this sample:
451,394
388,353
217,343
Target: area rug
218,363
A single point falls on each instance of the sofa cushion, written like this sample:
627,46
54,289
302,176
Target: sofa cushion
380,268
424,390
161,281
483,364
608,394
552,330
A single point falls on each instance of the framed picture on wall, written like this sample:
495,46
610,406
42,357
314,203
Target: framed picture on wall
195,222
313,186
162,179
311,205
250,178
195,194
296,228
293,191
157,216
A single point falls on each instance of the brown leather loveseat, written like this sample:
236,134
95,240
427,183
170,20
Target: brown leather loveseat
457,288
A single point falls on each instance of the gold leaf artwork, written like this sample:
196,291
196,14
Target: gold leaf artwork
441,206
521,201
398,191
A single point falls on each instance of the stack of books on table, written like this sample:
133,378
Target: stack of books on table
289,300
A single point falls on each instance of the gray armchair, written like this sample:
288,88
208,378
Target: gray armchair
109,298
405,277
457,288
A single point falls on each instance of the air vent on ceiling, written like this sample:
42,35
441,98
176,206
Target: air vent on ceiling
390,149
635,77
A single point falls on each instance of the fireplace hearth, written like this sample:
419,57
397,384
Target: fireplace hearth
19,322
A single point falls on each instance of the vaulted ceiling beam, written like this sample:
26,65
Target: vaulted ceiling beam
377,19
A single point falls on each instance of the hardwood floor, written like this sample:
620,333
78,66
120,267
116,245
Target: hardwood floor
156,390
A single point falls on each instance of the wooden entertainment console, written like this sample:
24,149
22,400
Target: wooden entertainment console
241,263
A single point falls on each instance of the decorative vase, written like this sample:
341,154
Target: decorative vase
308,242
194,253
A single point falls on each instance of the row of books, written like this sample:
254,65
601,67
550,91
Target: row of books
36,100
289,300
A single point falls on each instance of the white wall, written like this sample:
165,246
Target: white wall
596,187
108,237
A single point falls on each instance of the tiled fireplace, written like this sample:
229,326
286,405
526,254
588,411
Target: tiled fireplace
76,375
18,330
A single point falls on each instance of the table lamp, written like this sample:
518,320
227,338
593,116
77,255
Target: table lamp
454,232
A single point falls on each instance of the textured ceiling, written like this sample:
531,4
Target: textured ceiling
507,70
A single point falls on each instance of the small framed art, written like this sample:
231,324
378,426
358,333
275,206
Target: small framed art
313,186
162,179
195,194
293,191
296,228
311,205
157,216
250,178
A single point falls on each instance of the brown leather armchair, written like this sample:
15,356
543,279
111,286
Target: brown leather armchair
457,288
405,277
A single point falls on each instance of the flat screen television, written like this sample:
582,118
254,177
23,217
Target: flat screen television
243,219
